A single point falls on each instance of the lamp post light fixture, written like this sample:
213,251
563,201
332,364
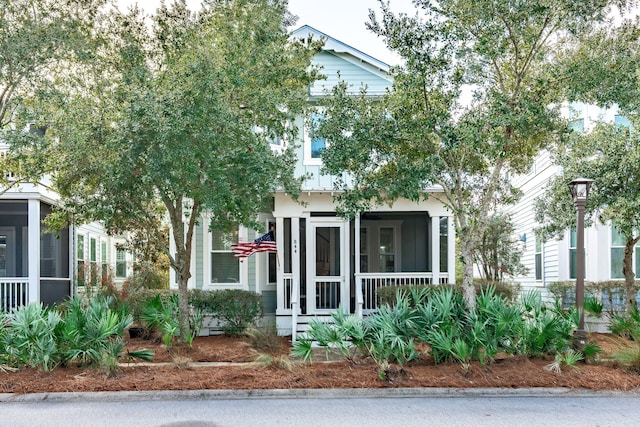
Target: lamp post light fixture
580,191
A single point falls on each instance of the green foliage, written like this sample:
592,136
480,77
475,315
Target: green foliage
626,325
88,332
592,305
629,356
165,112
568,357
237,309
499,252
418,293
31,337
92,333
38,40
609,154
426,136
608,295
162,313
440,318
591,351
145,276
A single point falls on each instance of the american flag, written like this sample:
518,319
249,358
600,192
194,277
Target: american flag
264,243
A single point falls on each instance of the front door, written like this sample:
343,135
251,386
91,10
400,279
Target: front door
328,268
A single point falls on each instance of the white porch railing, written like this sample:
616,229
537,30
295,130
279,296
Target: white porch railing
367,285
288,288
14,293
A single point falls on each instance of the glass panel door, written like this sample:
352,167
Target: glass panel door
327,264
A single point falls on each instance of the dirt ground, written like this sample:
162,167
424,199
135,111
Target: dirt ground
176,370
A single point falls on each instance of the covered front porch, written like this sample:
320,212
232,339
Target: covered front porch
327,263
34,263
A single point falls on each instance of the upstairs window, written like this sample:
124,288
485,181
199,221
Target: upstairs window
314,147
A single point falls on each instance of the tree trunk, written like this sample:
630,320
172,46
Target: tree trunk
629,275
181,264
468,290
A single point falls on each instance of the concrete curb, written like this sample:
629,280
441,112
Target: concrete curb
120,396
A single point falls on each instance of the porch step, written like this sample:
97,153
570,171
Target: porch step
303,322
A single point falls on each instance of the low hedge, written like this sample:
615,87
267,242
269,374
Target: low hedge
238,309
387,294
610,293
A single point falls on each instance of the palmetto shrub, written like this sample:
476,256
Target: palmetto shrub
30,338
87,332
626,325
91,333
439,318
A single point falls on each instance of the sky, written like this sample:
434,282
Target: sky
341,19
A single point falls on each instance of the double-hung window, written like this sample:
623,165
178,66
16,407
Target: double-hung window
121,263
225,268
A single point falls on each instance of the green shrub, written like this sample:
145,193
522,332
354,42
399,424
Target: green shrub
387,295
508,290
91,333
31,338
626,325
611,294
629,357
162,313
439,317
237,309
145,276
136,300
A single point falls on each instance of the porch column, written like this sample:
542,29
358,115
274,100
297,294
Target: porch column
280,270
435,249
295,271
451,249
358,285
34,250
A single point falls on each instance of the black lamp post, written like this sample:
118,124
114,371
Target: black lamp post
580,191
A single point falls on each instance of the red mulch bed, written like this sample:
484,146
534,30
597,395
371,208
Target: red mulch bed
177,374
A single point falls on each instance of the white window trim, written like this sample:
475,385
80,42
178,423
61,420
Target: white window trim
535,254
84,238
207,284
308,160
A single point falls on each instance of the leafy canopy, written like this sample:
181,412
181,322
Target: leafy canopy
421,139
174,119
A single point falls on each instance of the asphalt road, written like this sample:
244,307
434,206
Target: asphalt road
488,408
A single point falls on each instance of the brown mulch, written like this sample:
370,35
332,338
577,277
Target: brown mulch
510,372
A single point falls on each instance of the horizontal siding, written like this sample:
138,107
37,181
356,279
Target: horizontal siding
338,67
533,184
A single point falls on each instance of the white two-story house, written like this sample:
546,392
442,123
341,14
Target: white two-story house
324,262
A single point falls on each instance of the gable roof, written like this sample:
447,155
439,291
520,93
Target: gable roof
335,45
339,61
